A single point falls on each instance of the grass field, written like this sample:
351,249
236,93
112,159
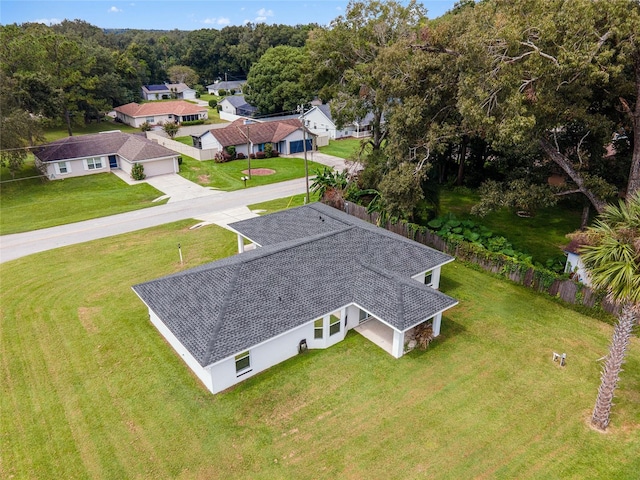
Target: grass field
282,203
343,148
542,236
32,204
91,390
227,176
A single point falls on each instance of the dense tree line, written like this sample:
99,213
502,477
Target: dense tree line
73,72
501,90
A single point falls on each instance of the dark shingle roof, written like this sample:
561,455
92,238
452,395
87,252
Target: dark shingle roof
221,308
259,132
133,147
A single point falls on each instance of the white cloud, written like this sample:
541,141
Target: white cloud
260,19
114,10
216,21
263,13
48,21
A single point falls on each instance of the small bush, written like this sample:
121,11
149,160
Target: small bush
145,127
137,172
192,122
260,155
222,157
232,92
222,93
252,156
213,103
240,156
231,151
179,160
268,150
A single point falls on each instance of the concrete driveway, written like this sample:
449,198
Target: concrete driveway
174,187
337,163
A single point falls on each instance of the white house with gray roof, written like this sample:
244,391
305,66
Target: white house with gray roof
102,152
317,273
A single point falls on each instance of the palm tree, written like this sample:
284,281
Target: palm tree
611,255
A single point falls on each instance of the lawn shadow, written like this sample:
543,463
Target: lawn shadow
450,330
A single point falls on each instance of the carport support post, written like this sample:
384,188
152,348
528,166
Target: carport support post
240,244
437,320
397,350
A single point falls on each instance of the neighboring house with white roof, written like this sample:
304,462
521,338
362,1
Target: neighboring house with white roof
156,113
319,120
102,152
227,86
167,91
250,136
317,274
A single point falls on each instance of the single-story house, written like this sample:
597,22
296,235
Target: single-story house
317,273
250,136
574,263
236,105
102,152
227,86
167,91
177,111
319,120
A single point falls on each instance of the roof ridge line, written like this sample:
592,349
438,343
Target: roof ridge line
221,314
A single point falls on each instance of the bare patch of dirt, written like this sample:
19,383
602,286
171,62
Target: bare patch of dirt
86,314
259,172
204,178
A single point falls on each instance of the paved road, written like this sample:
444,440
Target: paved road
202,208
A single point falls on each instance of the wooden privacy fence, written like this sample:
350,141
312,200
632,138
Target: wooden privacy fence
541,280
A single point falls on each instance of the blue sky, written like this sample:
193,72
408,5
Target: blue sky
183,15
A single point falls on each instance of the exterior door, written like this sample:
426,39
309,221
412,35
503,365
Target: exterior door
113,162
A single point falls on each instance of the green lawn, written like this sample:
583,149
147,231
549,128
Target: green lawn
186,140
90,389
59,132
542,236
32,204
343,148
226,176
282,203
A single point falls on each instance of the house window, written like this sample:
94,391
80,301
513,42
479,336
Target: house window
243,363
334,324
94,163
63,167
363,316
428,278
150,120
189,118
318,328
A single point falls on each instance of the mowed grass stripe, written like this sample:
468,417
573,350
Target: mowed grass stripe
91,390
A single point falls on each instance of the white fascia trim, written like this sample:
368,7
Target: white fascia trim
430,316
433,268
148,160
242,235
378,318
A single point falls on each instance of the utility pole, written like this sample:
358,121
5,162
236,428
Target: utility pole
304,146
247,122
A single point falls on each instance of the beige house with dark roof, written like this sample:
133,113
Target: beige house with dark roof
102,152
177,111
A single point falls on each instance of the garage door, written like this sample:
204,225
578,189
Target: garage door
298,146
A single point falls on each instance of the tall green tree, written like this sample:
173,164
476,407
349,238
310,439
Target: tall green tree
612,258
275,83
182,74
533,70
346,62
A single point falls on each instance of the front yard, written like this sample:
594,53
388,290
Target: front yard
31,204
228,176
92,390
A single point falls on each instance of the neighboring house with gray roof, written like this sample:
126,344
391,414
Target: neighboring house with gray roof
102,152
317,274
235,106
234,86
319,120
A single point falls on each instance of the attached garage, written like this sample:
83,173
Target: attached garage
297,146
